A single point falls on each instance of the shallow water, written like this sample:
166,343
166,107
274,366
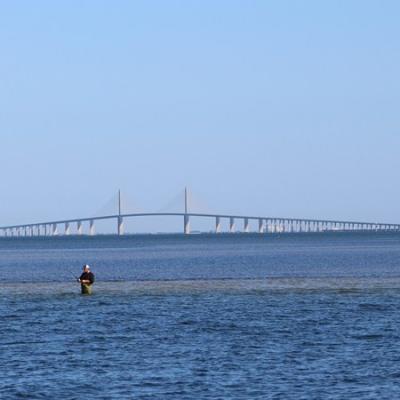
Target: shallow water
233,317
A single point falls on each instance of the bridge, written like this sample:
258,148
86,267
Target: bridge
266,224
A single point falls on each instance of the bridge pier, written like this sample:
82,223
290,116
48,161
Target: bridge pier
232,225
67,229
186,224
246,226
260,225
271,226
120,227
217,224
55,230
91,228
79,227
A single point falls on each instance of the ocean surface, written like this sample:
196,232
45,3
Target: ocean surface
241,316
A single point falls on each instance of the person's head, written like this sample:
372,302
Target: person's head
86,268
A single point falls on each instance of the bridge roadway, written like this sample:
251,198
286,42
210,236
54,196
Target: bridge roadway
265,224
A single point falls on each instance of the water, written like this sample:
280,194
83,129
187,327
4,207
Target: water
201,317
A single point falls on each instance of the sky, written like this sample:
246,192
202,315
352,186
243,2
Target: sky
275,108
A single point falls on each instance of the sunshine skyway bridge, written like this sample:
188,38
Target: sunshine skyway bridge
80,226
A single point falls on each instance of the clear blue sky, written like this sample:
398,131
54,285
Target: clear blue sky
286,108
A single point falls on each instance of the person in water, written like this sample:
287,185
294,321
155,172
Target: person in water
86,280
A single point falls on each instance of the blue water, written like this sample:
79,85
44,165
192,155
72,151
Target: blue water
201,317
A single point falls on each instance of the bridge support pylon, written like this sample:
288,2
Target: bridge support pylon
260,225
232,225
217,224
54,231
91,228
186,224
246,225
120,228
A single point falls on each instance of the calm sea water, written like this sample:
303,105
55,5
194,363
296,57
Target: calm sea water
201,317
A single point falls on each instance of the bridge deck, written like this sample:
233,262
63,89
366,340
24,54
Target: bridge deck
275,220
